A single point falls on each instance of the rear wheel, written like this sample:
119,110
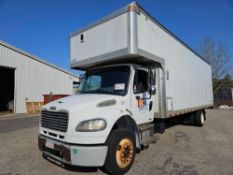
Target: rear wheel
121,152
200,118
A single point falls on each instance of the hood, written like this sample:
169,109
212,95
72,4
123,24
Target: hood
78,101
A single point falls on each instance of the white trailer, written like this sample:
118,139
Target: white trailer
138,74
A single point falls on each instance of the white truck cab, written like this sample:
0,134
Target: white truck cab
138,74
79,126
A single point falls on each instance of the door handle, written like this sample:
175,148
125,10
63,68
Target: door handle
150,105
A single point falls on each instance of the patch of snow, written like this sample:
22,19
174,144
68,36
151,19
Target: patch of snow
225,107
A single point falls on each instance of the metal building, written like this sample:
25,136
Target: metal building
26,78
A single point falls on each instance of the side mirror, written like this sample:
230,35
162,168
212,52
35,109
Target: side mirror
81,77
152,90
152,81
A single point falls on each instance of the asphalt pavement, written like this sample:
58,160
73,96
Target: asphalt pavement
13,124
181,150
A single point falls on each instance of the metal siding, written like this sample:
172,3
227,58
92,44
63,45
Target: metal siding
189,82
108,37
34,78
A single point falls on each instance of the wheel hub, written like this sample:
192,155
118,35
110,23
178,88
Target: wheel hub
202,118
124,153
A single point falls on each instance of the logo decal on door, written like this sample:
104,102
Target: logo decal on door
142,103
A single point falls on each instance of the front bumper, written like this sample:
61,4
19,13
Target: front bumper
87,156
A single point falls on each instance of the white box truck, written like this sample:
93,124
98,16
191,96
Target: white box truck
138,74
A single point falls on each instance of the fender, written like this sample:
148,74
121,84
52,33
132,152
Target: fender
129,123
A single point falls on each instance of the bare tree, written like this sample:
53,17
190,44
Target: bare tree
218,56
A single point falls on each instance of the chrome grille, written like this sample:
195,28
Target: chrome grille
54,120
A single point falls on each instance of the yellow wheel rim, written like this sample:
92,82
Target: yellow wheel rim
124,153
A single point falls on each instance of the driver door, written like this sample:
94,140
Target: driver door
142,101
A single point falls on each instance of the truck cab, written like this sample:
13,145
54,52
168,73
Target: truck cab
101,124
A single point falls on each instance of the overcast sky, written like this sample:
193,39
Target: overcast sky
42,27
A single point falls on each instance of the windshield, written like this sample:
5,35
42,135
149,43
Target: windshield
112,80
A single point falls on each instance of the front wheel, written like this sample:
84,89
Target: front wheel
121,152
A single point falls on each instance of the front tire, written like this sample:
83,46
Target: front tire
200,118
121,152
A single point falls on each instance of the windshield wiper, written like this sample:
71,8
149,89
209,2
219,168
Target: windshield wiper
99,91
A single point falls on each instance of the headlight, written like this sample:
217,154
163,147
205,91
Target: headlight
91,125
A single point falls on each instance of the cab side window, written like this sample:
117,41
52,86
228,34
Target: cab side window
140,81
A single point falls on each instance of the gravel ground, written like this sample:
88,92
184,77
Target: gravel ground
181,150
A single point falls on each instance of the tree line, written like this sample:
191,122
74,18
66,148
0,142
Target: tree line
219,57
